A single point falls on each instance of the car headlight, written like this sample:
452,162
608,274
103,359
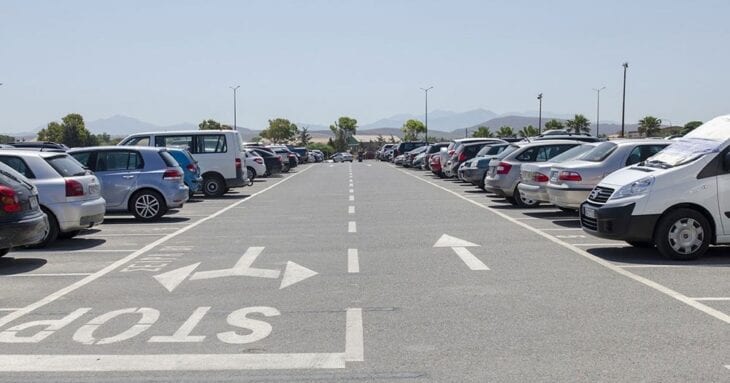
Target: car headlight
639,187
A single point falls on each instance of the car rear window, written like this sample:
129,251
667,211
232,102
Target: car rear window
66,166
168,158
600,152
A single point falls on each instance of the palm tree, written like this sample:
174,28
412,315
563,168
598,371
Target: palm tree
528,131
505,131
579,124
553,125
482,131
650,126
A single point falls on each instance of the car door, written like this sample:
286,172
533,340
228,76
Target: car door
118,171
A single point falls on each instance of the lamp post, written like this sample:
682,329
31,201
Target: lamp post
539,116
623,103
235,88
598,108
425,91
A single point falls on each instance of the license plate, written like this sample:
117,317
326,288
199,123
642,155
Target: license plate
589,212
33,202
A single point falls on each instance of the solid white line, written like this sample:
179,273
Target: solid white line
352,227
83,282
563,229
354,345
353,263
600,244
351,210
552,219
617,269
352,198
712,299
471,261
45,275
169,362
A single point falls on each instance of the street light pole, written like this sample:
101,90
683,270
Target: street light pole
425,90
623,103
598,108
539,117
235,88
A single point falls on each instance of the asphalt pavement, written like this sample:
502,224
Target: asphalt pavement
360,272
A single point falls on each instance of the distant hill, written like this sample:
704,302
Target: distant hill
518,122
437,120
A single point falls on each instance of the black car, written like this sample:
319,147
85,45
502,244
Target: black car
40,145
405,147
271,160
302,153
22,221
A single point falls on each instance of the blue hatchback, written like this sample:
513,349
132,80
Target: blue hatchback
192,178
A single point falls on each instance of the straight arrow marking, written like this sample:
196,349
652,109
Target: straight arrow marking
471,261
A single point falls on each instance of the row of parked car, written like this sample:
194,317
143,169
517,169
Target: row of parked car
49,191
670,194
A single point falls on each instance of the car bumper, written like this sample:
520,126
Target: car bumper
567,197
77,215
617,222
502,187
195,185
26,232
176,196
474,176
534,192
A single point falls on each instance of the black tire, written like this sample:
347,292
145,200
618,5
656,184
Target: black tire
511,200
190,194
52,233
267,174
522,202
641,244
69,234
4,251
683,225
147,205
251,172
214,185
285,170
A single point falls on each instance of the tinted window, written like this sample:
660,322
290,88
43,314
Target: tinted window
182,141
600,152
18,165
83,158
66,166
642,152
528,154
138,141
117,160
211,144
547,152
168,159
572,153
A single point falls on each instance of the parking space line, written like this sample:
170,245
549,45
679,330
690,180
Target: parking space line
117,264
351,209
352,227
45,275
599,244
712,299
552,219
353,263
123,235
617,269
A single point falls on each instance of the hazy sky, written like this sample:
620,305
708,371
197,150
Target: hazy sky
167,62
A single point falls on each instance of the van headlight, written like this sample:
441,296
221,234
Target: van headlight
635,188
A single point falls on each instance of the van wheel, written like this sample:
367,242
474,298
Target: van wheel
251,173
213,186
524,202
147,205
51,234
683,234
641,244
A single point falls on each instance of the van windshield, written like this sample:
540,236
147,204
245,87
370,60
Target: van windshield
683,151
599,153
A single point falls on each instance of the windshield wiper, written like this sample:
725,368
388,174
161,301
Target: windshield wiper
658,163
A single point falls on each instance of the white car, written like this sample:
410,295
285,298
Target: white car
255,165
677,200
341,157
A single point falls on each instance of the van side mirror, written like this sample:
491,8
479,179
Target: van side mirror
726,162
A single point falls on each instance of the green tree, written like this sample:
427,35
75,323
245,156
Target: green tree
327,149
482,131
579,124
554,124
411,129
650,126
304,137
505,131
210,124
343,128
256,139
528,131
71,131
690,126
6,139
280,130
380,140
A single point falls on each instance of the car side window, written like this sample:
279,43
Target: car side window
18,165
138,141
642,152
117,160
527,155
83,158
214,143
183,141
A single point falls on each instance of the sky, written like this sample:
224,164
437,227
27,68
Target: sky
167,62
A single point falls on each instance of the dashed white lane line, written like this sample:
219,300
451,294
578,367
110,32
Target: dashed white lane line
352,227
119,263
351,209
353,262
354,345
352,191
617,269
352,198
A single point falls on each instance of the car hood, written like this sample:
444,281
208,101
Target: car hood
625,176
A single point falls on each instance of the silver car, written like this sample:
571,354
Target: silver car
503,175
145,181
68,194
572,181
534,177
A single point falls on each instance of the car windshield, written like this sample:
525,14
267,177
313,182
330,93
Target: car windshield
599,153
572,153
683,151
66,166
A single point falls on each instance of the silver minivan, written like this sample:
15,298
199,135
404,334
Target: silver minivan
144,181
68,194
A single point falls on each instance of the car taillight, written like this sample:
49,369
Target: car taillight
172,175
192,168
258,160
569,176
238,163
462,157
9,200
539,177
74,188
503,168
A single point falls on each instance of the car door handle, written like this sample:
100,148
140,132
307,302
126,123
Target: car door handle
127,177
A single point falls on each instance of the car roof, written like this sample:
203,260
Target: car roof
547,142
120,147
183,132
31,153
632,141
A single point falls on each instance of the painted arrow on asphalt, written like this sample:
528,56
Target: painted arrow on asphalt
460,248
293,272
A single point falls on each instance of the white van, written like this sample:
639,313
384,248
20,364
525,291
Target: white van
677,200
219,154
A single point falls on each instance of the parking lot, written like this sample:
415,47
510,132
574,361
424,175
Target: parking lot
359,272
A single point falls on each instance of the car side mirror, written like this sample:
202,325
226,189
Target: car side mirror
726,162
